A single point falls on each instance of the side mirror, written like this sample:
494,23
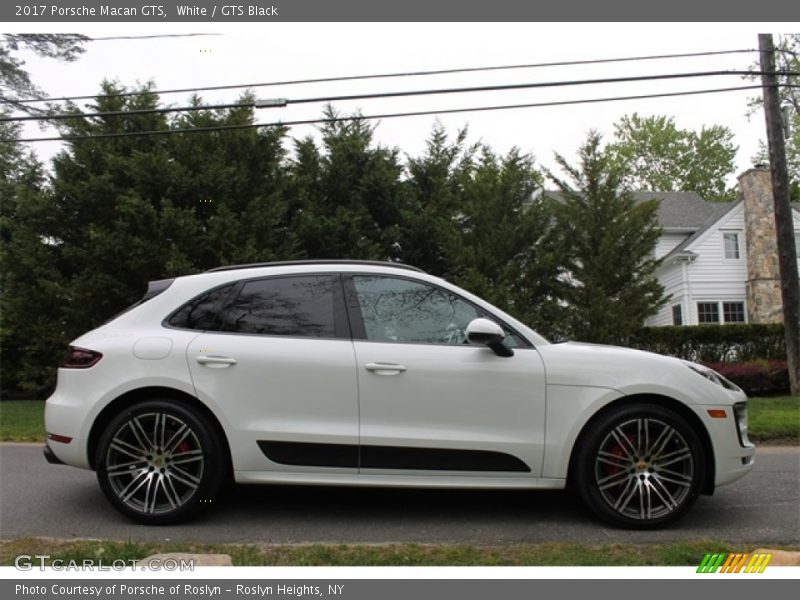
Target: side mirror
483,332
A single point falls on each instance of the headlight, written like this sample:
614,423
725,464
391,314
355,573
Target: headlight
712,376
740,410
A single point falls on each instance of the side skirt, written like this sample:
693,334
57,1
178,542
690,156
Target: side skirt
404,480
390,457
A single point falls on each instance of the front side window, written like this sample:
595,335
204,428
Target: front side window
707,312
291,306
731,244
399,310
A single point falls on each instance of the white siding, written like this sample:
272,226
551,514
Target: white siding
712,276
671,277
667,242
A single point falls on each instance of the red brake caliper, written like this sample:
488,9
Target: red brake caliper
617,451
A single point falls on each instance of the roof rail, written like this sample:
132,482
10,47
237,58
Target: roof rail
327,261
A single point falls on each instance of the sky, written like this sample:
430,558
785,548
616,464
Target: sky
251,53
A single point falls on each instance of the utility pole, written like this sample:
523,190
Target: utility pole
784,226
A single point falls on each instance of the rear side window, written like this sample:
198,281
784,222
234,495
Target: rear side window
293,306
203,312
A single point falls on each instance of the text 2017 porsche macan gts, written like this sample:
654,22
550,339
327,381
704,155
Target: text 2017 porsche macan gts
377,374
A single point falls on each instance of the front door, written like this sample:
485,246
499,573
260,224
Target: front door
430,403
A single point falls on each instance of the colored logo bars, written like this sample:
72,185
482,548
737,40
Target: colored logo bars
734,563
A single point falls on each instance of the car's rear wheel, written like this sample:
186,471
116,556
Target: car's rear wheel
160,461
640,466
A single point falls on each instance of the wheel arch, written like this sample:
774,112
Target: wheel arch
676,406
132,397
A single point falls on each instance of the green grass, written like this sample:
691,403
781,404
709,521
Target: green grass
775,419
545,554
21,421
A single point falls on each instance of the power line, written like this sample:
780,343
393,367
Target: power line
152,37
519,86
395,94
119,113
70,138
390,75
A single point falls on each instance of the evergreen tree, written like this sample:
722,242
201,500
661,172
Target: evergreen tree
609,241
234,185
507,249
433,202
346,195
124,210
32,335
15,81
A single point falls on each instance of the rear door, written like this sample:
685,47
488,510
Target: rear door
279,366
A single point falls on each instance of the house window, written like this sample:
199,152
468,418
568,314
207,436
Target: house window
733,312
731,243
708,312
677,315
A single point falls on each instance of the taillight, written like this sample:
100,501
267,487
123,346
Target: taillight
80,358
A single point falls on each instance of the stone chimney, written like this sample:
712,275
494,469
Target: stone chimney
763,287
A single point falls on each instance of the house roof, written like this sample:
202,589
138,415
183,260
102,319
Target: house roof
684,210
710,221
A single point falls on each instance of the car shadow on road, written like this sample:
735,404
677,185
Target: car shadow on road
386,504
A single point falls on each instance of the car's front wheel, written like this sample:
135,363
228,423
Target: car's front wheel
640,466
160,461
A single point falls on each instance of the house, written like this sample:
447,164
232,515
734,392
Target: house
719,261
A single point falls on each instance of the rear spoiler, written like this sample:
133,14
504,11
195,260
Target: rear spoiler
154,288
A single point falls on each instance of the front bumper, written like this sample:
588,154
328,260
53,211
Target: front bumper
733,457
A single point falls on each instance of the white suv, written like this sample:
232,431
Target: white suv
377,374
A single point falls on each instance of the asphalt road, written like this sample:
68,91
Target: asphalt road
38,499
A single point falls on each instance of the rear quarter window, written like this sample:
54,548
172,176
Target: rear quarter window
203,312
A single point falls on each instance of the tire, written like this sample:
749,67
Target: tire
160,462
640,466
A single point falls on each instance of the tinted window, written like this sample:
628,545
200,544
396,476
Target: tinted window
203,312
297,306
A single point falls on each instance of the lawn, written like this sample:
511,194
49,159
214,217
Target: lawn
544,554
21,421
774,420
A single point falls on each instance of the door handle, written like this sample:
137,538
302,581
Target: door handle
216,361
383,368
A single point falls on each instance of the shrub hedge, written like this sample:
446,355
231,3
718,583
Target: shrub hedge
715,343
756,378
752,356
